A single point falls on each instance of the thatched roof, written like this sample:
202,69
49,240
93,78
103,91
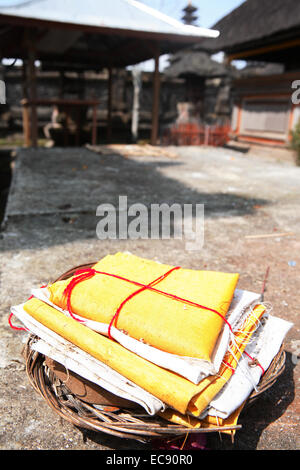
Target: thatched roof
256,23
190,62
259,69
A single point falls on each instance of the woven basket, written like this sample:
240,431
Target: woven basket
88,406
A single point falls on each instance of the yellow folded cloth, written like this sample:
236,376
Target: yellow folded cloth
172,389
167,324
175,417
208,422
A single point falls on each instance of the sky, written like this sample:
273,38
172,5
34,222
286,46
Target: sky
209,11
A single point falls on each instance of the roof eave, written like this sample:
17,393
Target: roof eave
179,38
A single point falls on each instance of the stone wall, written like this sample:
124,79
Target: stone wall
87,85
90,85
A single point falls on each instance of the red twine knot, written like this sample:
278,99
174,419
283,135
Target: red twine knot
87,273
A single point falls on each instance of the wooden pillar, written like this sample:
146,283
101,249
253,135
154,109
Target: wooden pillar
227,60
137,82
239,117
25,105
61,84
32,94
94,125
26,122
155,105
109,105
24,79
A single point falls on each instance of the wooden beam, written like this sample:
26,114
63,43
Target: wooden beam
64,102
263,50
11,43
155,106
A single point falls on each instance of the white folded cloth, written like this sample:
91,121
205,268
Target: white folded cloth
73,358
264,346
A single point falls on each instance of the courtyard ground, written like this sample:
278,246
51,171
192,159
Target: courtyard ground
252,223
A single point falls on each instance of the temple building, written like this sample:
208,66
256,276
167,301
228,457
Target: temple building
206,80
265,32
91,36
189,14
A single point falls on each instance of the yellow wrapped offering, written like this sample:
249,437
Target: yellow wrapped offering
157,314
172,389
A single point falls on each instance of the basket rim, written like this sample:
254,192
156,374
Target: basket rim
129,425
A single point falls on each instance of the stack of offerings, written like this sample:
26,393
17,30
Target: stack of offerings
183,345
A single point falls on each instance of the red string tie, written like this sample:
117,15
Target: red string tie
11,315
15,327
87,273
